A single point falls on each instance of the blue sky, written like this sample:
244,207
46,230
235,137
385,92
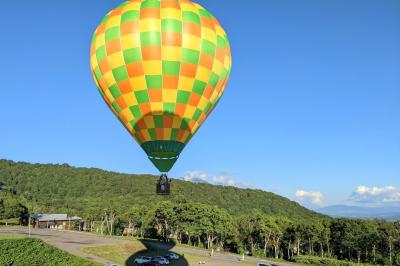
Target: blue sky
312,104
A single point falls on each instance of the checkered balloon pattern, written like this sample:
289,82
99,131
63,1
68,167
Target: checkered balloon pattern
161,66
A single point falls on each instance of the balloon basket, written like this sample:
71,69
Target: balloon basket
163,187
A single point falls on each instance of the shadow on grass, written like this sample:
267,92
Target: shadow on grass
155,248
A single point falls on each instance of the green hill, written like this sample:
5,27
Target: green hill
57,188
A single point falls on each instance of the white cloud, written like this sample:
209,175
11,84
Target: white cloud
222,179
376,195
310,197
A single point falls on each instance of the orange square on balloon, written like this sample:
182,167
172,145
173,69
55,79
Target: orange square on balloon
129,27
188,69
135,69
145,108
155,95
170,82
151,53
125,86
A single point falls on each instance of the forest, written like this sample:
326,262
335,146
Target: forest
236,220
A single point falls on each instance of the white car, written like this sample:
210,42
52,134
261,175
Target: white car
172,256
142,259
161,260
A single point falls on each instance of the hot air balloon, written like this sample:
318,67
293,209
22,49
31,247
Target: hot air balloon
161,66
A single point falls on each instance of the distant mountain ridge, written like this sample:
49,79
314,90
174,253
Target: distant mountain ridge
65,189
382,212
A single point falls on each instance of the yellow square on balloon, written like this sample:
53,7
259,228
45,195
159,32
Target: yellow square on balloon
203,103
167,133
189,7
150,24
156,107
170,13
153,67
130,41
169,96
189,111
138,83
185,84
149,121
203,74
100,40
116,60
171,53
113,21
191,42
109,78
130,99
176,123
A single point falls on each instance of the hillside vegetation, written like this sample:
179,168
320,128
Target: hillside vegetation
201,215
64,188
29,251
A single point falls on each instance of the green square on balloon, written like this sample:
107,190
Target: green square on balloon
208,47
197,114
169,108
112,33
116,107
131,15
154,81
142,96
151,38
171,68
190,56
115,92
199,87
153,133
183,97
135,110
120,73
132,55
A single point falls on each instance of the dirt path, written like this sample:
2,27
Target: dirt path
73,242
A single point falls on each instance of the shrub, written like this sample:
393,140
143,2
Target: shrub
28,251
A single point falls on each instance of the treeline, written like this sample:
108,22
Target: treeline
206,226
61,188
10,206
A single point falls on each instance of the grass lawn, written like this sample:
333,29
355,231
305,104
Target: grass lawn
2,237
126,253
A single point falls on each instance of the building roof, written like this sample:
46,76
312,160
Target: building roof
55,217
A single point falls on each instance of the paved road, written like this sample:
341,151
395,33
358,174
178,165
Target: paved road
73,242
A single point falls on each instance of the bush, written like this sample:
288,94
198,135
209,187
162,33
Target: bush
28,251
312,260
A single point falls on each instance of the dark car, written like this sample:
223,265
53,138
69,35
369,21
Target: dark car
151,263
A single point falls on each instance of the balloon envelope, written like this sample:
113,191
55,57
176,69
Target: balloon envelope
161,66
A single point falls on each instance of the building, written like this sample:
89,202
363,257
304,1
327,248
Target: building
56,221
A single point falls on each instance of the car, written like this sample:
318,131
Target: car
172,256
142,259
151,263
160,260
265,264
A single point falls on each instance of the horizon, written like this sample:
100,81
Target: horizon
324,79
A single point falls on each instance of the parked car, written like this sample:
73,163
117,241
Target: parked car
142,259
172,256
161,260
265,264
151,263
